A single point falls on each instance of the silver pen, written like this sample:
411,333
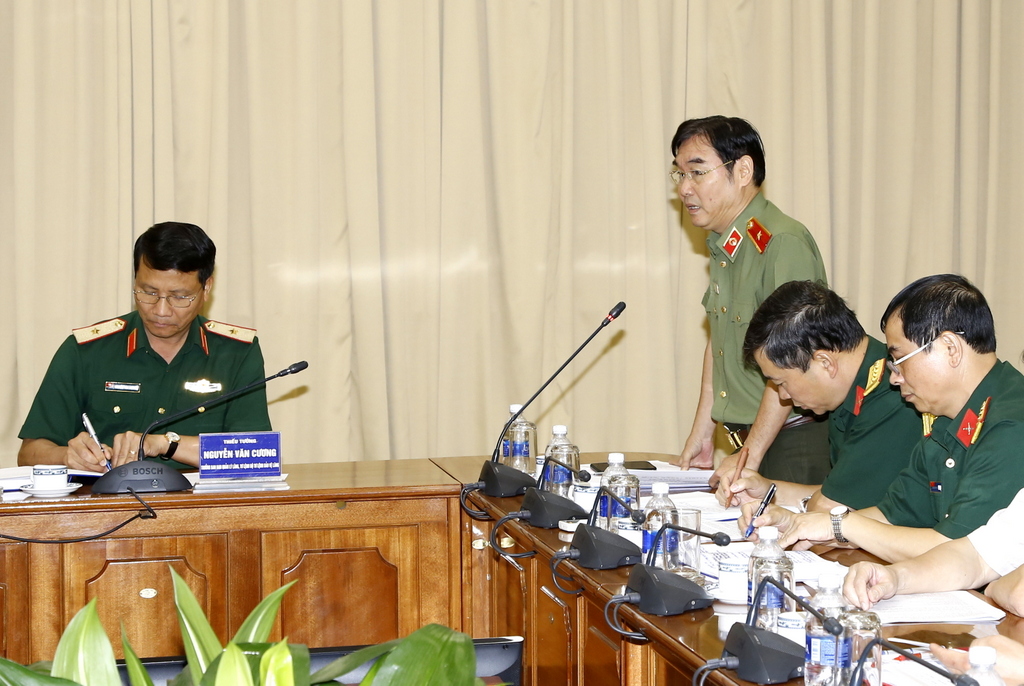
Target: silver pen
92,432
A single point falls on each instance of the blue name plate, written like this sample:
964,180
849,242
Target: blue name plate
233,455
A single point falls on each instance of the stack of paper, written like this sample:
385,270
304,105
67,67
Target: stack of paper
678,480
955,607
807,566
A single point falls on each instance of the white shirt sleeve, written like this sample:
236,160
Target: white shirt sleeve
1001,541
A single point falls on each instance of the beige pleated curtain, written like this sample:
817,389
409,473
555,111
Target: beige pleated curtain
435,202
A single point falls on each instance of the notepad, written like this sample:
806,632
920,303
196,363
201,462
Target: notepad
947,607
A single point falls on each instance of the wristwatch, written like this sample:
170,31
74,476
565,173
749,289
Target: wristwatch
172,439
838,514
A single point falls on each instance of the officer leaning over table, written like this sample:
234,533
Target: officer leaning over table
161,358
941,338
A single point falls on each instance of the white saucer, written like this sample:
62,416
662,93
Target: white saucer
51,492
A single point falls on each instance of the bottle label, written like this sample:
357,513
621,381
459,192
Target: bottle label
520,448
506,446
617,510
557,474
669,541
828,651
772,597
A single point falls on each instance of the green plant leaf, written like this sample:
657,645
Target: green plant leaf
201,644
234,669
137,674
84,653
431,655
345,664
276,667
256,627
13,674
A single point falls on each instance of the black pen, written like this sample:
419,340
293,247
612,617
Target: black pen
760,509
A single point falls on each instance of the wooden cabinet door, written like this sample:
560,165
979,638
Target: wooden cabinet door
602,659
130,577
14,602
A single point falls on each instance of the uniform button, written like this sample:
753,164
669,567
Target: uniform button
716,289
737,318
161,411
720,353
950,462
723,394
201,410
117,408
724,309
722,263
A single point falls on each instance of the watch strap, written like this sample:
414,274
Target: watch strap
837,526
172,449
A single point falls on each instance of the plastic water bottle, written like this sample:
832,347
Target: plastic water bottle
983,666
769,559
506,440
557,478
523,436
661,510
827,658
623,484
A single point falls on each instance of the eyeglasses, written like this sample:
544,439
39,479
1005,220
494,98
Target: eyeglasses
696,176
179,301
894,365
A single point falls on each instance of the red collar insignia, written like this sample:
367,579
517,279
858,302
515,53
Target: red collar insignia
133,339
732,243
202,340
968,428
859,401
759,235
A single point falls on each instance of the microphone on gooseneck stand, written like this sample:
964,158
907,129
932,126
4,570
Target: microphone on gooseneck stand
501,481
765,656
154,477
582,475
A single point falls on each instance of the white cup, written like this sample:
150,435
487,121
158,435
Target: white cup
49,477
793,625
732,581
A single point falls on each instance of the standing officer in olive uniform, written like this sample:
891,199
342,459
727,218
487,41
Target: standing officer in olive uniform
939,331
126,373
808,342
754,249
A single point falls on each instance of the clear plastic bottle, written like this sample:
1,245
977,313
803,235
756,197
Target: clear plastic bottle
557,478
769,559
827,658
623,484
983,666
506,440
661,510
523,437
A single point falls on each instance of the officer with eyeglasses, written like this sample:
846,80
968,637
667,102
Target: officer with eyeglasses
754,248
163,357
967,465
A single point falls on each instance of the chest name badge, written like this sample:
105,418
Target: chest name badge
935,486
203,386
122,387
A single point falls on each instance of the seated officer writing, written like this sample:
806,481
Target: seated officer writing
809,344
940,333
164,357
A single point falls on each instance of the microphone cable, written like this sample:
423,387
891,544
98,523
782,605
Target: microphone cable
148,513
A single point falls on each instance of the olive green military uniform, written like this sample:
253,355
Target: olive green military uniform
110,372
968,467
762,250
871,435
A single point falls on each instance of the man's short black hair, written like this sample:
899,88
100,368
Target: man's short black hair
944,302
176,245
798,319
731,137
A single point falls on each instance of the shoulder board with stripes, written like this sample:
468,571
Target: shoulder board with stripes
233,331
87,334
875,374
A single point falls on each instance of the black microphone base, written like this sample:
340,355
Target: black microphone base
663,593
502,481
142,476
765,657
547,509
600,549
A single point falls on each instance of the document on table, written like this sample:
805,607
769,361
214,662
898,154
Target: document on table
678,480
948,607
807,566
13,478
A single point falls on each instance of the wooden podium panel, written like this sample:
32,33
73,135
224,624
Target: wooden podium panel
374,547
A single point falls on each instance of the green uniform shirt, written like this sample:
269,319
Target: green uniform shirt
954,485
125,386
870,439
741,281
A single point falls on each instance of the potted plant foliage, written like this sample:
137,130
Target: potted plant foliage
432,655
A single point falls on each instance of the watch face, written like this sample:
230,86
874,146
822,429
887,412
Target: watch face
172,437
839,510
